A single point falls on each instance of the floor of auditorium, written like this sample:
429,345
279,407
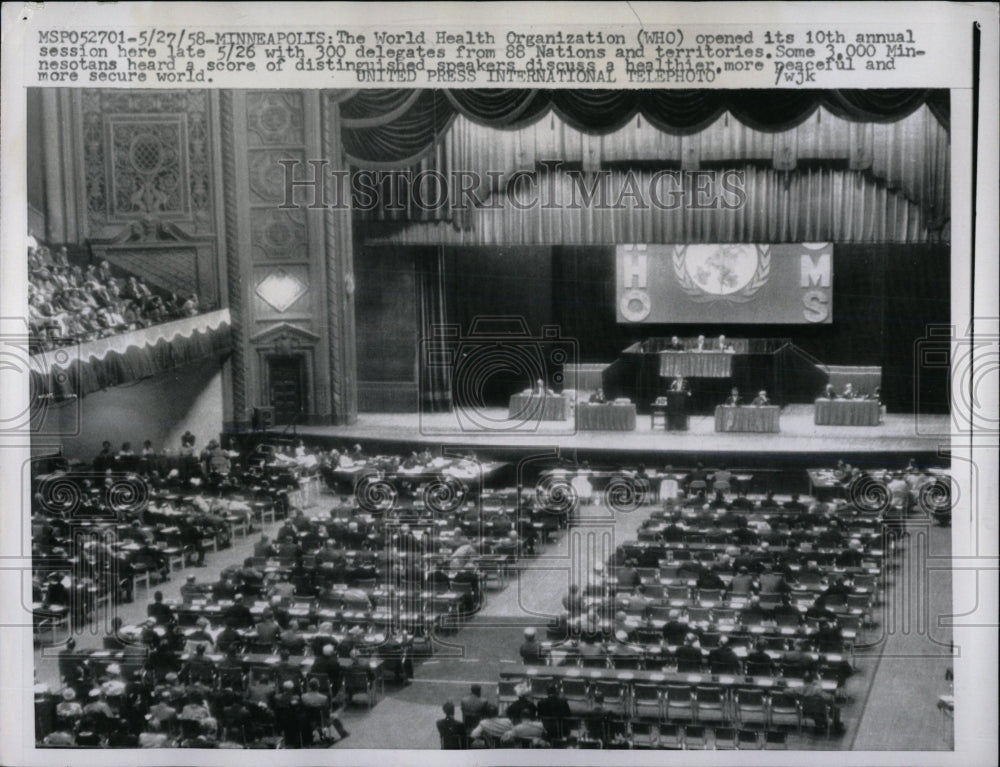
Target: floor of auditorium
799,434
893,694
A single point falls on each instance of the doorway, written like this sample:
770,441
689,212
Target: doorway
286,379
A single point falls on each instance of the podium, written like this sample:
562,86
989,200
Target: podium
677,410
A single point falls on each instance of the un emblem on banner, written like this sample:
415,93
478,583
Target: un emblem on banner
732,273
635,305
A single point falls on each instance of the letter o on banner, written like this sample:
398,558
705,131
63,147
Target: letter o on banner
635,305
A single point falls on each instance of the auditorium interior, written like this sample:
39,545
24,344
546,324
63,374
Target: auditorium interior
475,453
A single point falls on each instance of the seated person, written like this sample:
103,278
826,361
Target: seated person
491,727
817,704
734,399
452,733
554,710
700,345
722,344
598,398
829,392
541,389
675,345
761,399
530,649
849,391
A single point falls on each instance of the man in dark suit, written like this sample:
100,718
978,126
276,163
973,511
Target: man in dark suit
689,657
849,391
473,707
554,710
679,384
829,392
734,399
530,651
761,399
238,614
160,611
598,398
451,731
675,344
723,659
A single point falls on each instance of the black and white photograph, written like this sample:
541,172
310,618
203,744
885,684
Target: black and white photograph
575,409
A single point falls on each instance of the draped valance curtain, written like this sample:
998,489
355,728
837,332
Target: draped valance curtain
394,128
846,150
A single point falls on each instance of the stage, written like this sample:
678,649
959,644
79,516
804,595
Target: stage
490,430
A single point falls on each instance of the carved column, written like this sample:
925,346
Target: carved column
339,278
237,367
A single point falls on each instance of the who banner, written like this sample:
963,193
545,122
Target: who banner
728,283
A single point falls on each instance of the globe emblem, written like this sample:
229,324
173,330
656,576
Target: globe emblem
721,269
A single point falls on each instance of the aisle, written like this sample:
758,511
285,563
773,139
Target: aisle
901,711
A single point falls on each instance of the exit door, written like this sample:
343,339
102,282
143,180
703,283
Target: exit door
286,376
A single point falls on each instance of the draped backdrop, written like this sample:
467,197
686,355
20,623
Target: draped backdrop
848,166
868,170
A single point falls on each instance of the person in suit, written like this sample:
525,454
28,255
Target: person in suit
530,649
700,345
598,398
675,345
554,710
848,391
723,659
473,707
160,611
829,392
679,384
688,655
722,344
734,399
761,399
452,732
238,614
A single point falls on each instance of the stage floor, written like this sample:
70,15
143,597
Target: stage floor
491,428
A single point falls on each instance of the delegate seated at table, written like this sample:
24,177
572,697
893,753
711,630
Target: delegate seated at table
849,391
700,345
722,344
829,392
598,398
541,390
675,345
761,399
734,399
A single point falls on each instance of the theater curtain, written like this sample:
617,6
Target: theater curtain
395,127
808,205
905,160
435,380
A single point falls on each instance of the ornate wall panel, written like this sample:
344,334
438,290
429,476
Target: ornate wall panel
147,154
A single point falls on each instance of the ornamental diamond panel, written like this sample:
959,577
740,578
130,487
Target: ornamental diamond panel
281,290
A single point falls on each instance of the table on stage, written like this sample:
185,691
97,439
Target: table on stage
548,407
611,416
848,412
747,418
708,364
